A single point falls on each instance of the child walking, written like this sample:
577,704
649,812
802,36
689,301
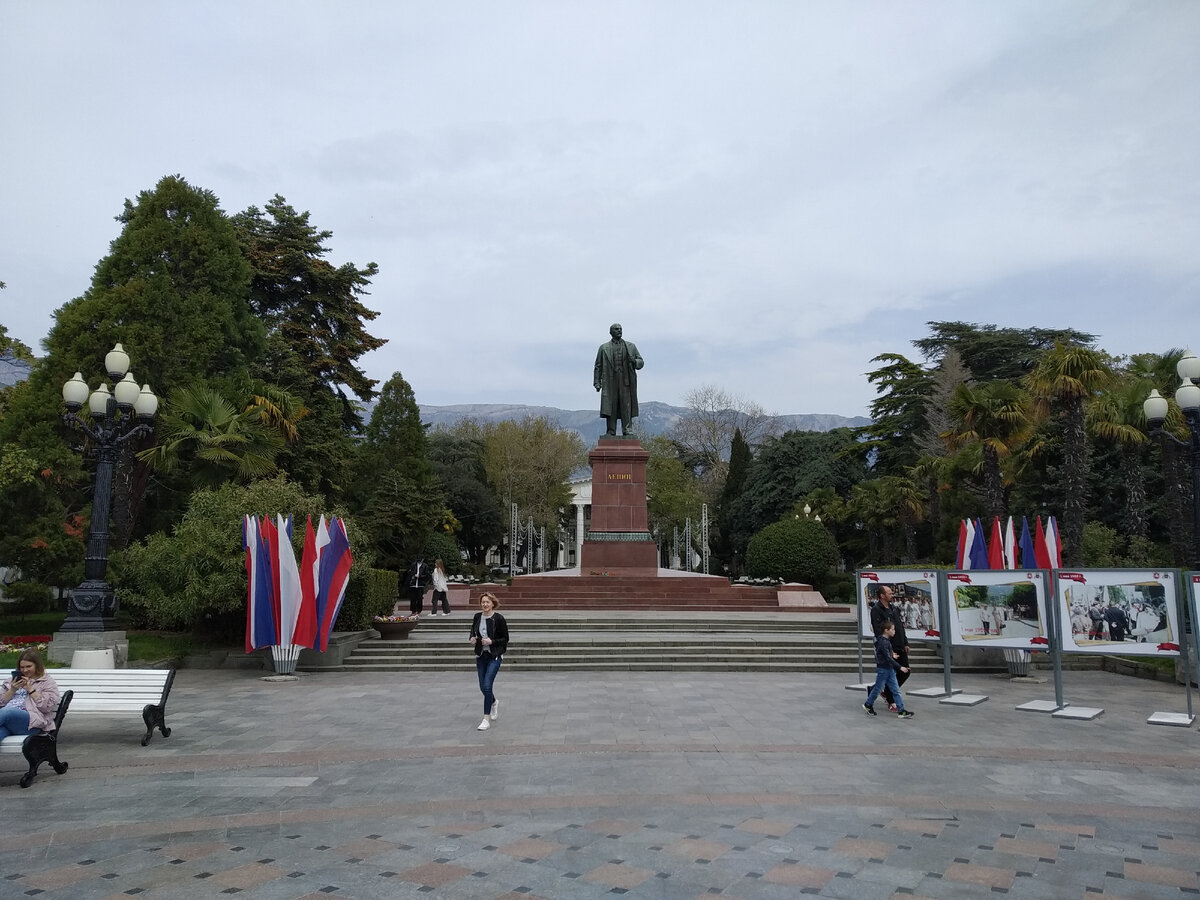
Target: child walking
886,667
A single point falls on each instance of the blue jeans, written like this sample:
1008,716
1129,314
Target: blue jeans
14,721
488,667
886,678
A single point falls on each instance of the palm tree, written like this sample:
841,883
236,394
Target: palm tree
204,432
1064,380
1116,416
996,416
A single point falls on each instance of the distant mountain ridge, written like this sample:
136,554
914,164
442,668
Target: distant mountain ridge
655,419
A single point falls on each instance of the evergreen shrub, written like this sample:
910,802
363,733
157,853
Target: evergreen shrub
798,550
373,592
440,545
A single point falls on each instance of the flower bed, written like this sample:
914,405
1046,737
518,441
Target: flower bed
14,644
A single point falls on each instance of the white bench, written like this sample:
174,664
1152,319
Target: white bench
39,748
117,692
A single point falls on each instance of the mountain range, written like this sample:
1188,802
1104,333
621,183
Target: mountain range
655,419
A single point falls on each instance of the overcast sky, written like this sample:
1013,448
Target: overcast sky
765,194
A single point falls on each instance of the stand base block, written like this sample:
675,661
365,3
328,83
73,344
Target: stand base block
1182,720
964,700
1042,706
1086,713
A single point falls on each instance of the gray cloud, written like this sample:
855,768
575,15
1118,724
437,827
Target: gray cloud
766,195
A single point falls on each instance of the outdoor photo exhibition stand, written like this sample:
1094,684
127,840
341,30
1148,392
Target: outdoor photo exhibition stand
997,609
919,595
1113,612
1123,612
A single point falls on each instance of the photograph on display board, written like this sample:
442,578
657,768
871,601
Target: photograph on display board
912,593
1124,611
998,608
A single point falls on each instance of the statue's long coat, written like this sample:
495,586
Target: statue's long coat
613,388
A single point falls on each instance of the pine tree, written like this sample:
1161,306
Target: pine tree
314,306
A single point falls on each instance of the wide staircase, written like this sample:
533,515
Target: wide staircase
671,591
626,641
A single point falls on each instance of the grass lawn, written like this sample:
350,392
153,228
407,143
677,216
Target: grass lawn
144,645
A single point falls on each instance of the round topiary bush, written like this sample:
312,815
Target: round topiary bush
440,545
799,550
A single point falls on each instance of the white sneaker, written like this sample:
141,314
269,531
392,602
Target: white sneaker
495,714
484,725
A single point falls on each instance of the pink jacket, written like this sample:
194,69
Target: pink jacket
41,708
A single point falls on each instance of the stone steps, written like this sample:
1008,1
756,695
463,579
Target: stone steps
640,642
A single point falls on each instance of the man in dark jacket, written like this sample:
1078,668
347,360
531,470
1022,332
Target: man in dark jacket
415,579
1118,622
881,613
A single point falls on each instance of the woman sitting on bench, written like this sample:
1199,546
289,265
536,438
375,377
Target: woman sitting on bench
28,699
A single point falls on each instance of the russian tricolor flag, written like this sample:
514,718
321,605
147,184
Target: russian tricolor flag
287,604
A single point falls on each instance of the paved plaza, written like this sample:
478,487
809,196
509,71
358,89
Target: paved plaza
643,785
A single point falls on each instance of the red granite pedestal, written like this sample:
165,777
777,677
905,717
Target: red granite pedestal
618,541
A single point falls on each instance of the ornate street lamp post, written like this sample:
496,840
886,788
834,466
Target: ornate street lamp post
1188,398
93,605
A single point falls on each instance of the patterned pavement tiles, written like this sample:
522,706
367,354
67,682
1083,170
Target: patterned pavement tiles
654,786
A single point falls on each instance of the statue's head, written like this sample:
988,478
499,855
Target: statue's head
615,331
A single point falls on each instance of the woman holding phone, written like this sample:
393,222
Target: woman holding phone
29,698
489,634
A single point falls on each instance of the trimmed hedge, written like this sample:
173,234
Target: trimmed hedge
799,550
372,592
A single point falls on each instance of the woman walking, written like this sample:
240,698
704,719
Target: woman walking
440,587
489,634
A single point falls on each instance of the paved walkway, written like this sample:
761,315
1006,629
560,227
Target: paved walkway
643,785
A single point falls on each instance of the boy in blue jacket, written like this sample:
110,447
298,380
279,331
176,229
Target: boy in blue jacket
886,667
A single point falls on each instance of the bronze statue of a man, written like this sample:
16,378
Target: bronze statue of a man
615,377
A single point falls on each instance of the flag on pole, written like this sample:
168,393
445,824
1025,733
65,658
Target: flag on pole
261,626
1028,555
270,535
334,575
306,621
289,582
250,545
996,546
1010,545
968,533
979,551
961,553
1053,543
1039,547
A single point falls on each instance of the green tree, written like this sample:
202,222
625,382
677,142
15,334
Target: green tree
794,550
1062,382
204,433
194,577
173,291
395,485
528,463
996,417
672,491
993,353
1116,417
458,463
898,414
788,468
730,547
315,306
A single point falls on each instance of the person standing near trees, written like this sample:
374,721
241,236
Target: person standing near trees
440,589
883,612
414,582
